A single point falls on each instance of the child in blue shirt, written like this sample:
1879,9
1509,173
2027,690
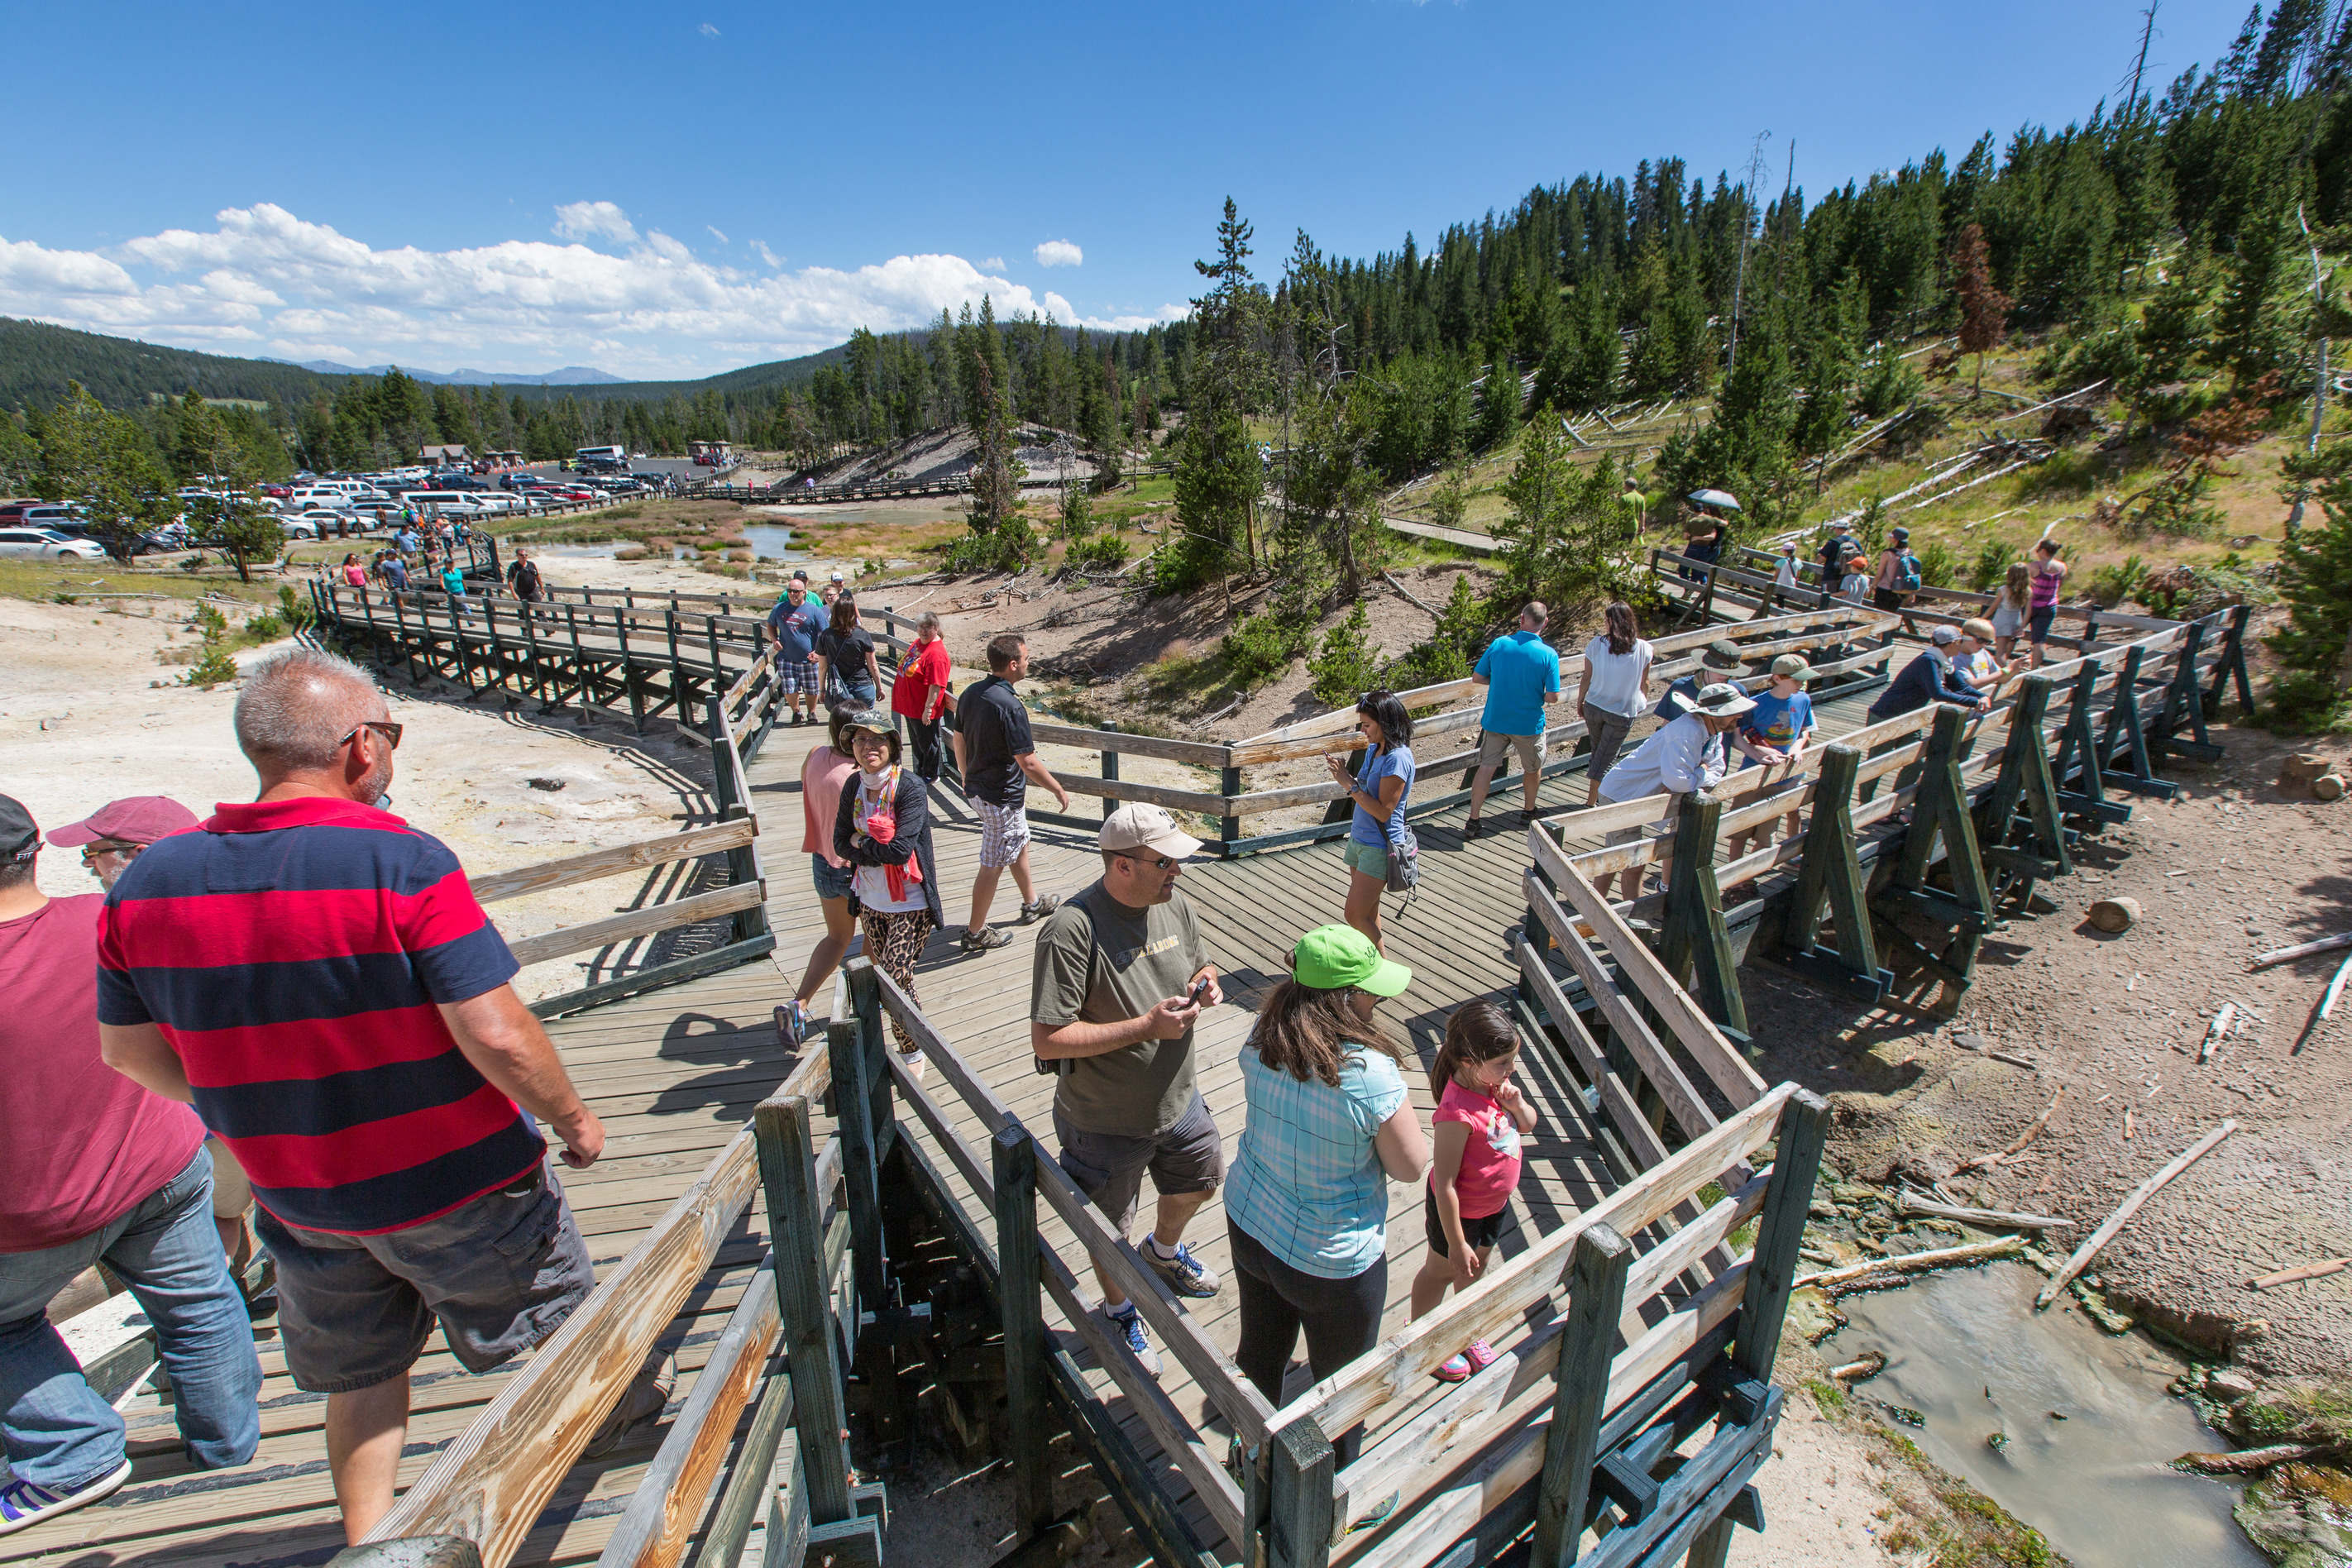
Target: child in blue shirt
1779,725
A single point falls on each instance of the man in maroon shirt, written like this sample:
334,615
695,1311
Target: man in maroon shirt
98,1170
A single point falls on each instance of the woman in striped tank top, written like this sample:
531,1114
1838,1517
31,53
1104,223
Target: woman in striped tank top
2049,572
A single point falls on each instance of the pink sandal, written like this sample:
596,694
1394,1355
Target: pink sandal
1461,1368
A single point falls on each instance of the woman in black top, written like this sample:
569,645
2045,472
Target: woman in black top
847,674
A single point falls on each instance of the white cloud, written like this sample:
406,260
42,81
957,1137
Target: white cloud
715,234
583,220
707,31
759,249
1059,253
991,264
264,281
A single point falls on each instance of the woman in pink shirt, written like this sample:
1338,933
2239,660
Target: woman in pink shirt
1481,1119
822,775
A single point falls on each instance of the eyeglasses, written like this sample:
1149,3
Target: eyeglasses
1157,863
105,847
385,727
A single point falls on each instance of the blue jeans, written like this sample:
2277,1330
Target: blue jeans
60,1435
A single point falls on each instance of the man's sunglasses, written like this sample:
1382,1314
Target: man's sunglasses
385,727
105,847
1157,863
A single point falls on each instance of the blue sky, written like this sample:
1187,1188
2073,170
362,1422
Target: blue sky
674,191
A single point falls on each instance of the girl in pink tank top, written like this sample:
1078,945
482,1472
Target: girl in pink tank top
1481,1122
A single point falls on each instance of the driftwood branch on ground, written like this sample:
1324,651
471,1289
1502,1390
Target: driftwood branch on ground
2301,950
2128,1208
1411,597
2319,1270
1911,1202
2246,1461
1911,1263
2032,1132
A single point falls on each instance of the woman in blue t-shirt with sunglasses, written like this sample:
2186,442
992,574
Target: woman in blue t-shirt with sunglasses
1379,791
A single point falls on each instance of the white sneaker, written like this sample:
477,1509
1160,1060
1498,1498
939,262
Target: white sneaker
24,1505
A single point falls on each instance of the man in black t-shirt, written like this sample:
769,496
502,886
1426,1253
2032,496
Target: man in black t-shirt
523,578
997,759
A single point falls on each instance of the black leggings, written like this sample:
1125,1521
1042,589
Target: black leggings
1341,1317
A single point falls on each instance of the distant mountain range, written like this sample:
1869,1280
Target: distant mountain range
570,375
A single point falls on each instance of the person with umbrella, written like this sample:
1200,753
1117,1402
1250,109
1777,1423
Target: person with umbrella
1705,547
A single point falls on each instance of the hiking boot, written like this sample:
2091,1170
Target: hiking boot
1186,1275
24,1505
1045,905
1127,1328
985,940
641,1404
1470,829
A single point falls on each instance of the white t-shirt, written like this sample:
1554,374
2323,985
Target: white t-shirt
873,885
1617,677
1785,577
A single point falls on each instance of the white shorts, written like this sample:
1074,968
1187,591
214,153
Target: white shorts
1003,834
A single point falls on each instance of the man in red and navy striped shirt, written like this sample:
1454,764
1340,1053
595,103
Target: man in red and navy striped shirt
315,976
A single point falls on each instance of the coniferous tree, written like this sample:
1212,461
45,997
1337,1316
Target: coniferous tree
1984,310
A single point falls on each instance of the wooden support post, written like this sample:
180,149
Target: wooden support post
1830,878
1941,807
2078,749
2232,666
538,666
1110,773
1229,827
2184,703
1796,1157
629,673
1697,944
1343,809
2124,728
1707,597
1015,1157
866,1003
677,669
1300,1503
1596,1300
407,647
853,1109
579,660
458,644
2026,779
804,1297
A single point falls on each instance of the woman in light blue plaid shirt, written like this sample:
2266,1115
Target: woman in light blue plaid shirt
1305,1199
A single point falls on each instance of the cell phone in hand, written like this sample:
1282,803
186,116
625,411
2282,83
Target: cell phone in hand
1200,996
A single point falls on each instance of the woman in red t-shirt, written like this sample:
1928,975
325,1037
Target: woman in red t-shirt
919,695
1480,1121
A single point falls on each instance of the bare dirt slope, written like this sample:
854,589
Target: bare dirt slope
2229,868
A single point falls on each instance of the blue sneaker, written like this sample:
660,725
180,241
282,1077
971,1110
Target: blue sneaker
1128,1326
1186,1275
24,1505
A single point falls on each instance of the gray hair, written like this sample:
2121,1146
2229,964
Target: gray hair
929,621
297,706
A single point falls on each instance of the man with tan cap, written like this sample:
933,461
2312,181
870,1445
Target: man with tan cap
1120,978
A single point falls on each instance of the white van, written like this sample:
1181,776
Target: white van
450,503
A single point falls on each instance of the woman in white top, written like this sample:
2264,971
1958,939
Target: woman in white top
1785,574
2008,608
1612,692
883,830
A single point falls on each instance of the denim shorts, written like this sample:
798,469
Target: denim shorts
501,1273
829,883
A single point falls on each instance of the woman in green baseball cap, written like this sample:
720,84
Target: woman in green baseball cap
1306,1205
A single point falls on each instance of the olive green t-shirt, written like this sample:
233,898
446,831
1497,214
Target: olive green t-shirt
1099,962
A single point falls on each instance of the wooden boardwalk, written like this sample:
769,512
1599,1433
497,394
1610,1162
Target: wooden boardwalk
675,1072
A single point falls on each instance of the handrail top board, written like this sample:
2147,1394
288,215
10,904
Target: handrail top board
621,858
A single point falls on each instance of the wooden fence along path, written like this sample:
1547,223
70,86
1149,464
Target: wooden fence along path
1637,1308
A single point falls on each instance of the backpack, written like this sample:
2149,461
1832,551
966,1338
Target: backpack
1906,573
1094,950
1404,853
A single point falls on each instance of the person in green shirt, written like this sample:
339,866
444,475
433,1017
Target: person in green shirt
1120,978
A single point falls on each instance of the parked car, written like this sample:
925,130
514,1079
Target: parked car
47,544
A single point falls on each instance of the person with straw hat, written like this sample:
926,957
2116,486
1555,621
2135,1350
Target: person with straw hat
1330,1124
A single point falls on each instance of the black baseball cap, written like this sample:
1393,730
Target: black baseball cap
20,835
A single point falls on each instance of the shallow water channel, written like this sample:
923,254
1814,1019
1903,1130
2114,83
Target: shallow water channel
1967,1353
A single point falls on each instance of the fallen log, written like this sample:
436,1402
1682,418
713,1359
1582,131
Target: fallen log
2032,1130
1911,1202
1911,1263
2319,1270
2128,1208
2301,950
1870,1365
1411,597
2245,1461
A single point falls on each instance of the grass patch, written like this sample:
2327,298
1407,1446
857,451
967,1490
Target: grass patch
1827,1394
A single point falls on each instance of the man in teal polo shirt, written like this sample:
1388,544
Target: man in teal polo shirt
1521,673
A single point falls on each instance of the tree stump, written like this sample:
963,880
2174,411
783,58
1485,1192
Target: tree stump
2327,786
2115,915
2299,770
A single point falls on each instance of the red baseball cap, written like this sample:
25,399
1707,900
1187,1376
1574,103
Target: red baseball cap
140,819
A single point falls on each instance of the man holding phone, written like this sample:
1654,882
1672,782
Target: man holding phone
1120,978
